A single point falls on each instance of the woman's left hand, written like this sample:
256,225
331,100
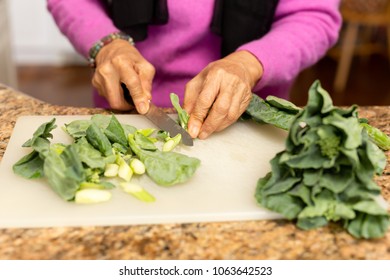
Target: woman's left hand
220,93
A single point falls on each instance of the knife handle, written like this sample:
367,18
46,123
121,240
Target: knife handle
126,94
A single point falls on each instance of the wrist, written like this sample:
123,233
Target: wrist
95,49
251,64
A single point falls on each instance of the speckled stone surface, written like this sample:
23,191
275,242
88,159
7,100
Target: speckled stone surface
277,239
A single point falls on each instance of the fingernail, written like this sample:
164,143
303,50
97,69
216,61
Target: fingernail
142,108
194,131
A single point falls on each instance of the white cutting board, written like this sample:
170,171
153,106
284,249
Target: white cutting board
222,189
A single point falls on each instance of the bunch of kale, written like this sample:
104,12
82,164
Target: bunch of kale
326,171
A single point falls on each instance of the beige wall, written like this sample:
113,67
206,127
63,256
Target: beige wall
35,38
7,66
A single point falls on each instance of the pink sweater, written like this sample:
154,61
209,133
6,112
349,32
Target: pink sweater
301,34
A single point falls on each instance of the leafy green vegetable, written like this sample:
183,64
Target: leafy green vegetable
281,113
115,132
101,121
326,171
118,148
143,142
64,172
101,150
361,226
30,166
162,135
182,114
146,131
282,104
99,140
263,112
78,128
377,136
88,154
42,133
165,168
329,141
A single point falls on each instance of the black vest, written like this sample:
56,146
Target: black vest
236,21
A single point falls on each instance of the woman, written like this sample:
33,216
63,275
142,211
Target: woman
213,54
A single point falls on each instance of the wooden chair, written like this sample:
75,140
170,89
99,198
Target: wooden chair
360,18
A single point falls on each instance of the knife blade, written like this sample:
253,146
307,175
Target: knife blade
162,120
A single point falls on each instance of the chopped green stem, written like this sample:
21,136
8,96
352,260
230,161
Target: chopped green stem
138,192
88,196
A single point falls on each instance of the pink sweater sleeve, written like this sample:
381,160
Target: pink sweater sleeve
301,34
83,22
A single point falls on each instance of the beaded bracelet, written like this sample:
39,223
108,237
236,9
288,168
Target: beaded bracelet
105,41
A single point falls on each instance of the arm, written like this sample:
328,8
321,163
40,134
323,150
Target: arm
301,34
83,22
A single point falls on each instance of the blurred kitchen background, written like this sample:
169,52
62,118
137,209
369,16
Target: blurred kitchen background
37,60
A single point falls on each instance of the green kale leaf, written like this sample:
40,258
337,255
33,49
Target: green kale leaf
165,168
31,165
64,172
261,111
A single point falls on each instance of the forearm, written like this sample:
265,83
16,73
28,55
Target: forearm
302,33
83,22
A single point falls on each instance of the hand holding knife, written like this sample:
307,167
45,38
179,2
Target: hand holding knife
162,120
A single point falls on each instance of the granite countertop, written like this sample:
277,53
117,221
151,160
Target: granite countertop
275,239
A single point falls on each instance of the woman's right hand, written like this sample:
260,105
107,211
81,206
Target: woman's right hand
120,62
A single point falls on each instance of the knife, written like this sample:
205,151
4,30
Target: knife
161,119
